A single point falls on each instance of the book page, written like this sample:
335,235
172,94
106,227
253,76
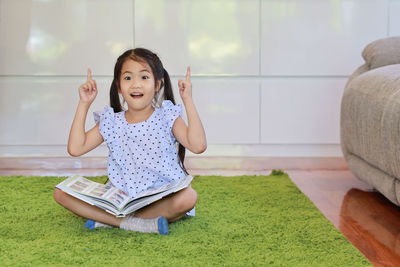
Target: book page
117,196
165,187
101,191
114,200
145,200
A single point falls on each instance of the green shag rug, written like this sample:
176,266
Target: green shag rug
240,221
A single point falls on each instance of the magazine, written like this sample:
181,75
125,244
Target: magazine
114,200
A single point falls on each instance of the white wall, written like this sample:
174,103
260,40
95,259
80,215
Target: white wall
268,75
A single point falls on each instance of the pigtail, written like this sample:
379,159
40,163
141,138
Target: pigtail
181,154
115,102
168,92
169,95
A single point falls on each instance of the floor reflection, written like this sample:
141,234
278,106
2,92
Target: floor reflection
370,214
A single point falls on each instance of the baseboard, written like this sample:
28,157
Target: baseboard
63,166
213,150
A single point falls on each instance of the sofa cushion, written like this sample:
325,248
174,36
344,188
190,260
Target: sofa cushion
382,52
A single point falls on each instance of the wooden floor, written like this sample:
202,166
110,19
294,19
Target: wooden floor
368,220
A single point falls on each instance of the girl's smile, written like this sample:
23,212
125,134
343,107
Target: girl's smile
136,95
137,86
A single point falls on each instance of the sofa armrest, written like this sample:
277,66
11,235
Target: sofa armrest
382,52
360,70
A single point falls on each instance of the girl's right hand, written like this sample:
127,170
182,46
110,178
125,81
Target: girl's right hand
88,90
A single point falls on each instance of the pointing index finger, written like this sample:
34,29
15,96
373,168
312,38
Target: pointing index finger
89,75
188,74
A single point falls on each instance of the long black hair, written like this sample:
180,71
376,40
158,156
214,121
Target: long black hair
160,74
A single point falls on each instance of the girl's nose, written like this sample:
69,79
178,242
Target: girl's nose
136,83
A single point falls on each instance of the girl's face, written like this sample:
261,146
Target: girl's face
137,84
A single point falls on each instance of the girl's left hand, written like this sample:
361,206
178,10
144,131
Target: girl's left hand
185,86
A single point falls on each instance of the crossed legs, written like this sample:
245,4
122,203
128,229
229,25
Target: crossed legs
173,207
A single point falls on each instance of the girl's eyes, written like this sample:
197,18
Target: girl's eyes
129,78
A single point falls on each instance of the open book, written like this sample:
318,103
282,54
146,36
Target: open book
112,199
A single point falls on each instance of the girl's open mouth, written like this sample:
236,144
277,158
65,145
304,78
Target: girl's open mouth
136,95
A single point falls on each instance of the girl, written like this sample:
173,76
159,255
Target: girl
141,141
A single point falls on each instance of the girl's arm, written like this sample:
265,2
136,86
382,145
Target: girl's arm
80,142
192,136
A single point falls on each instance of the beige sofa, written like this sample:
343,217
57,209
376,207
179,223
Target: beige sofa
370,118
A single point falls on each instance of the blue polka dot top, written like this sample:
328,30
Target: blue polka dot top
141,155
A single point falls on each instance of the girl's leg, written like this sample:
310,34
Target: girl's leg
85,210
173,207
94,214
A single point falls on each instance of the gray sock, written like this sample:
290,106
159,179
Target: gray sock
133,223
99,224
